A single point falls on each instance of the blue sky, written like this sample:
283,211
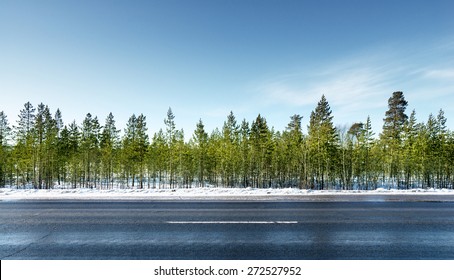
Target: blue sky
207,58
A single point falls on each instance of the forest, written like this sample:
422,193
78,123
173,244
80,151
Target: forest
42,152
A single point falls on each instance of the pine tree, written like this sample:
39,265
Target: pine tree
200,139
432,150
158,157
214,170
63,150
109,148
441,152
293,139
322,140
75,158
60,159
170,140
179,155
24,149
45,134
141,146
367,142
230,151
129,158
391,136
50,148
135,148
90,150
245,153
5,131
262,150
409,138
357,160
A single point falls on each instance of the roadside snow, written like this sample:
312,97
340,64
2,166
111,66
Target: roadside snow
200,193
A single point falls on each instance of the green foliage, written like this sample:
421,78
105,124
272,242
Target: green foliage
41,151
5,132
322,144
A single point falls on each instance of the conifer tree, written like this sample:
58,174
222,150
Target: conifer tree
60,159
109,149
158,157
141,146
214,157
44,134
5,131
129,143
24,148
262,149
409,157
90,150
367,142
229,151
63,151
50,148
322,140
293,137
73,148
245,153
169,122
441,150
200,139
391,136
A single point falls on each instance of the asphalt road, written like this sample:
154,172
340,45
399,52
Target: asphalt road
72,229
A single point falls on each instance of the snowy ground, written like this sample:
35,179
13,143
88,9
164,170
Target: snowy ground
230,194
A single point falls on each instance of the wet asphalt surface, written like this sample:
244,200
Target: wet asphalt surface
226,230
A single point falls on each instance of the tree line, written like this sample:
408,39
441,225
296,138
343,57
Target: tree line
43,152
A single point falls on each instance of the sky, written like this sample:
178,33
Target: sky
204,59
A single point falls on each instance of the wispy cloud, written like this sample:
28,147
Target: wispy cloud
355,86
348,85
440,73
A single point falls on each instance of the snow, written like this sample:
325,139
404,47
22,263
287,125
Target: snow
213,193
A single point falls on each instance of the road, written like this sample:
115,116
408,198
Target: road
75,229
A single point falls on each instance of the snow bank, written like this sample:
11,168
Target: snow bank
203,193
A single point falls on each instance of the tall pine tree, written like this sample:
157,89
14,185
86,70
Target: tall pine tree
322,142
391,136
5,131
